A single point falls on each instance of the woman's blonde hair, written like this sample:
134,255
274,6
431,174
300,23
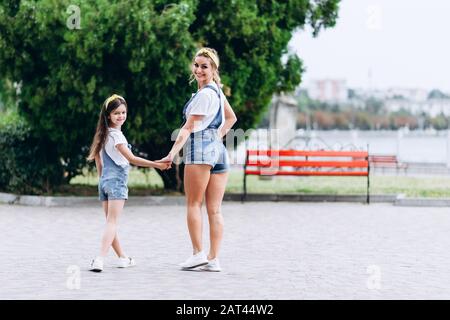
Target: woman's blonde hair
215,62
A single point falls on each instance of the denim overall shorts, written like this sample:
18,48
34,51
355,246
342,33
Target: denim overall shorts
205,146
113,181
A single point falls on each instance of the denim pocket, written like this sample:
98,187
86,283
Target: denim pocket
119,190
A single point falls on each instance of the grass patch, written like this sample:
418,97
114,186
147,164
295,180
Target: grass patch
430,187
148,182
138,178
141,182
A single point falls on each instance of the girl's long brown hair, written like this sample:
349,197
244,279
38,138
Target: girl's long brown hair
101,133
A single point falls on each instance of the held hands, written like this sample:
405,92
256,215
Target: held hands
168,158
163,165
165,162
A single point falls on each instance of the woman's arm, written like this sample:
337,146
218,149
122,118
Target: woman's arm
98,165
138,161
192,122
230,119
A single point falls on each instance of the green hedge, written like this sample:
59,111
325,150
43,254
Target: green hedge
25,165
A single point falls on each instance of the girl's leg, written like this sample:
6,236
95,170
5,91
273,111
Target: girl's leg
196,177
213,197
114,209
115,244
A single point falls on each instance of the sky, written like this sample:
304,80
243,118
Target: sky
380,44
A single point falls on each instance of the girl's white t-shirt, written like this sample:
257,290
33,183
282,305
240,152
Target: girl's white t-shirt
116,137
206,103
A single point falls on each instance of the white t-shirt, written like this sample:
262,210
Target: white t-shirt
115,137
206,103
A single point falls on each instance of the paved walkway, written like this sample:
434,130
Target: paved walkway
270,251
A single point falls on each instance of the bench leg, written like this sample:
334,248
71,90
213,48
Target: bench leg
244,195
368,185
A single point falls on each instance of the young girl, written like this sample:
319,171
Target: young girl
112,157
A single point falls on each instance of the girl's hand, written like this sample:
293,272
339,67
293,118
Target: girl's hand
163,165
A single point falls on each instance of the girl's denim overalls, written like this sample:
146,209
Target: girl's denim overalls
113,181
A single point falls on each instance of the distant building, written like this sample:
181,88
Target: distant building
414,100
411,94
328,90
435,107
418,104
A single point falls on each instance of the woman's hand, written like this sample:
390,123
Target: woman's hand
168,158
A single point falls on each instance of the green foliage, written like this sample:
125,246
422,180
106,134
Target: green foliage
27,164
142,50
7,95
374,106
437,94
9,117
252,37
440,122
125,47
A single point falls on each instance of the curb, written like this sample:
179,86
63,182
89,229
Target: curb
261,197
397,200
422,202
71,201
44,201
8,198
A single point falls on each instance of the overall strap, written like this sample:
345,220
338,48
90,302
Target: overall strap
212,88
218,115
187,103
108,158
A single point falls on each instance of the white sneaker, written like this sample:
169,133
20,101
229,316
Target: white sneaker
126,262
196,260
97,264
213,266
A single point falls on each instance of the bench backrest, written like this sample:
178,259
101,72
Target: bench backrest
383,158
307,163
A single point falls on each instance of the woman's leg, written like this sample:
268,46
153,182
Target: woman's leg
115,207
196,177
115,244
213,197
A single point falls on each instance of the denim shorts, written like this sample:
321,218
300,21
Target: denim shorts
205,147
112,189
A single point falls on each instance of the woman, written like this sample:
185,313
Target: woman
208,117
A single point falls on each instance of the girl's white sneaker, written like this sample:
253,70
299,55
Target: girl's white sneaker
126,262
96,264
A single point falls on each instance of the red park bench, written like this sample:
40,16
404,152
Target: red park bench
386,161
306,163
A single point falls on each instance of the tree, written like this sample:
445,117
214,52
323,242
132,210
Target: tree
142,50
7,95
374,105
437,94
67,73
